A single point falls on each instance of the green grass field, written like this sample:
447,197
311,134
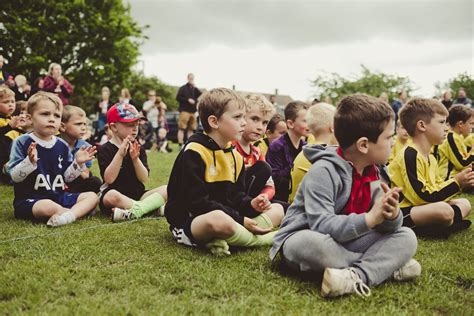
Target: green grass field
96,267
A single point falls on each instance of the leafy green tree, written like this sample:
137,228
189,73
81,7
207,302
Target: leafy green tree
95,41
462,80
336,86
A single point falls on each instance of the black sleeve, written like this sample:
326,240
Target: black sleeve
5,129
181,96
143,158
241,201
198,93
193,169
105,157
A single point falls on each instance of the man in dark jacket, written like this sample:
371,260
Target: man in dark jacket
187,97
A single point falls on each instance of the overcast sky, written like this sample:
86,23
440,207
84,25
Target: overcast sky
264,45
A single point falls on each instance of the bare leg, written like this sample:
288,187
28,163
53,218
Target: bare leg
86,202
215,224
114,198
275,213
180,136
433,213
162,190
47,208
463,204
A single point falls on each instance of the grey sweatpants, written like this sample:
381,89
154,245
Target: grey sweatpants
374,254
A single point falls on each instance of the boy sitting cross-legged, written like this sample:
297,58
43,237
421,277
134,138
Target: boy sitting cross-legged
344,220
124,169
427,201
207,203
40,165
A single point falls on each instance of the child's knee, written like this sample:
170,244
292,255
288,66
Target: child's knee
445,214
409,240
90,196
112,197
219,222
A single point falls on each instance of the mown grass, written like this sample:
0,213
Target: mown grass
96,267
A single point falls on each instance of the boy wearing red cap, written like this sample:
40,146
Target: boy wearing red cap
124,169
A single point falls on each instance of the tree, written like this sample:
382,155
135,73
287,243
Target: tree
336,86
462,80
96,42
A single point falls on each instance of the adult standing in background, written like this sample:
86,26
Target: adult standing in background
398,103
187,97
150,103
447,100
462,98
56,83
102,107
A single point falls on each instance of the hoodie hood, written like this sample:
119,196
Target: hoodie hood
324,152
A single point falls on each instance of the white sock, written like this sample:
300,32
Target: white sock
65,218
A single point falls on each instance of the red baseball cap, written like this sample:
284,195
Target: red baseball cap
123,112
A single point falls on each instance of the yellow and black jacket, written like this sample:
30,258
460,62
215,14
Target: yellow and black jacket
206,178
453,155
263,144
397,148
419,179
4,124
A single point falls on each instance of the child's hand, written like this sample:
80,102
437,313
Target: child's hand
252,227
390,205
14,122
123,150
261,203
33,153
85,154
465,178
134,150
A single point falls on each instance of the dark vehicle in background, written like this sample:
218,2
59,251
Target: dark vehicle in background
172,118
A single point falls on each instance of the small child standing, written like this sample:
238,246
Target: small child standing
41,164
319,118
124,168
453,153
73,129
284,150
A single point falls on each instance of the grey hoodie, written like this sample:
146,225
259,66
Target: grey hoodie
321,197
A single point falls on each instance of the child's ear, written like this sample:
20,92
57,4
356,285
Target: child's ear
62,127
421,125
213,121
290,124
362,145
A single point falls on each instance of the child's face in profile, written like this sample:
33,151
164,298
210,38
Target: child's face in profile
76,127
379,152
437,129
280,130
466,127
232,123
299,125
46,119
256,124
402,133
7,105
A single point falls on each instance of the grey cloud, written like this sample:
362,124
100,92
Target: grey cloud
177,26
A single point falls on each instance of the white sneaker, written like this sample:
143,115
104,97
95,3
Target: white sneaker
409,271
121,215
337,282
53,221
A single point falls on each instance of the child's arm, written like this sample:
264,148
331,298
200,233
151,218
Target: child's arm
458,154
79,164
320,189
113,169
22,163
140,170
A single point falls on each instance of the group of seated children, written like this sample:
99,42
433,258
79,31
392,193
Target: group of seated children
344,221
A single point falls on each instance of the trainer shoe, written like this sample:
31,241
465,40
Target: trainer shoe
121,215
218,247
409,271
337,282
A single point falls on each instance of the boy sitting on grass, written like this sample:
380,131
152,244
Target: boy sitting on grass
276,128
124,168
344,220
319,118
284,150
208,205
258,173
73,129
427,201
41,164
453,154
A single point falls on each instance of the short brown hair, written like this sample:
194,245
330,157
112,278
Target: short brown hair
361,115
69,111
215,102
20,106
276,118
42,96
420,109
292,109
459,113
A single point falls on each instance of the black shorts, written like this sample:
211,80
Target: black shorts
407,221
183,235
108,211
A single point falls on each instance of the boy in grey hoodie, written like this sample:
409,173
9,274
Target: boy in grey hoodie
345,220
